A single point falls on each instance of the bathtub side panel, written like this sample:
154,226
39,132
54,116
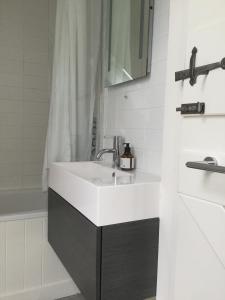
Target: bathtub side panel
2,257
15,255
34,244
28,264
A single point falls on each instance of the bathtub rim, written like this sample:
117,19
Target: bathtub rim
35,214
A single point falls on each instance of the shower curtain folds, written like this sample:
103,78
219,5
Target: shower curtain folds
76,83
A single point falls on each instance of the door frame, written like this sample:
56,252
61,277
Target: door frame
178,23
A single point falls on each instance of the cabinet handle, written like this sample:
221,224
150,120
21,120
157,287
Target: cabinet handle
209,164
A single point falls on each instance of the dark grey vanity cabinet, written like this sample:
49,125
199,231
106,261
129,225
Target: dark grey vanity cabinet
115,262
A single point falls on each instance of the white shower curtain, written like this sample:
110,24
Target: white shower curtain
76,83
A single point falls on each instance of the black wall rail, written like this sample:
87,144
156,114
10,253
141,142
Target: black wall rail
193,72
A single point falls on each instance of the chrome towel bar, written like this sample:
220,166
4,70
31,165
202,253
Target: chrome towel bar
208,164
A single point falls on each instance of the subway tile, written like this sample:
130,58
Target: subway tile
11,9
135,136
153,140
36,69
159,51
31,108
11,66
7,106
52,21
35,95
125,87
31,181
11,93
35,9
24,93
144,98
10,132
34,144
152,162
132,118
10,182
157,95
36,45
161,7
36,82
10,169
35,57
8,52
15,41
12,28
135,109
32,168
158,72
31,119
14,80
160,24
10,144
32,156
12,156
155,120
139,159
10,119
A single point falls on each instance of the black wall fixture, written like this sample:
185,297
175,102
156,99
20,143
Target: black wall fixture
192,108
193,72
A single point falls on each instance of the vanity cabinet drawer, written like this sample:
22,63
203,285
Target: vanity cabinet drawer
77,243
130,260
107,263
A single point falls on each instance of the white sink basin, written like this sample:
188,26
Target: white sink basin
106,195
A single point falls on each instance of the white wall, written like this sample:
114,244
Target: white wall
25,62
135,110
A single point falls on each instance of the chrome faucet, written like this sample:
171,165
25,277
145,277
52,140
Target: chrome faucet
116,150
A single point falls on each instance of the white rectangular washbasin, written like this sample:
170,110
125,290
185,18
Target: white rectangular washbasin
106,195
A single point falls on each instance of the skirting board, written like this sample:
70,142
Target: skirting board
48,292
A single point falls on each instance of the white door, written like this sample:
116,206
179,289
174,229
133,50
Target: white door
200,271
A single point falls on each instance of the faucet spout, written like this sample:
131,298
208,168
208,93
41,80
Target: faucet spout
103,151
117,142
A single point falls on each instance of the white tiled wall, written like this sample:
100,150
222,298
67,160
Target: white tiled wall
29,268
135,110
26,29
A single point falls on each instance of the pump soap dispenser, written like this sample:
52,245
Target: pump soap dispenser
127,160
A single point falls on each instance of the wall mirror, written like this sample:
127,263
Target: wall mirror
127,40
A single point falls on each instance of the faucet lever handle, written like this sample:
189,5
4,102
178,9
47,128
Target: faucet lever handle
117,143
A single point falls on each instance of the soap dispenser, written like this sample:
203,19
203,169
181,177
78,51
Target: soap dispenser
127,160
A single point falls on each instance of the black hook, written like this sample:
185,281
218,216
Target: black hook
193,77
193,72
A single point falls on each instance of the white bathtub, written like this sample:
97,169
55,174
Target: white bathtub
29,268
22,204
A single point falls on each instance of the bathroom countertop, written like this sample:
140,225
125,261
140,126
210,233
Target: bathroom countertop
106,195
104,174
